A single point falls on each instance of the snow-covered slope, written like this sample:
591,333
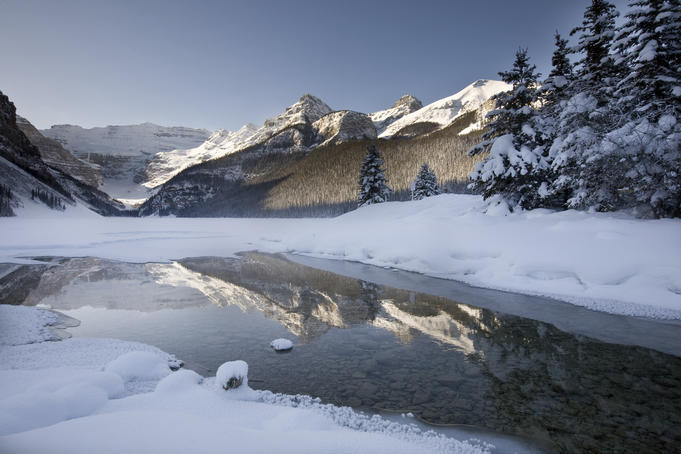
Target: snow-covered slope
402,107
164,166
446,110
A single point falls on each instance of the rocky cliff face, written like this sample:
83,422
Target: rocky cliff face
343,126
31,180
55,156
22,171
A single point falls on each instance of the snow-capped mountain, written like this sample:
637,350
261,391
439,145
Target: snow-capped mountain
444,111
306,124
402,107
303,113
164,166
123,152
240,173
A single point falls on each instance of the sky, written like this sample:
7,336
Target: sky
222,64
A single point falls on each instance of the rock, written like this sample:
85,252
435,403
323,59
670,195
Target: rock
281,345
345,125
232,374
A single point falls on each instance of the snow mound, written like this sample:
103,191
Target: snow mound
139,366
281,344
232,374
179,381
21,325
446,110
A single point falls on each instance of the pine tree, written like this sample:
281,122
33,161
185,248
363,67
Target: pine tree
597,67
516,162
425,184
373,185
648,44
555,89
585,171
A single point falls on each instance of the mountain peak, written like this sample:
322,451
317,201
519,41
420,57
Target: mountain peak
311,106
410,102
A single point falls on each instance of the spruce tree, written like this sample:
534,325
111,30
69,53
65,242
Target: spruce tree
648,44
585,172
373,185
555,89
425,184
597,67
516,161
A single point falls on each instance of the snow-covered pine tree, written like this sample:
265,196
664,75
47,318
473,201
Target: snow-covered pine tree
514,167
648,102
585,172
373,185
555,88
425,184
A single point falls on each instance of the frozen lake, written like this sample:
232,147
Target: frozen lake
564,377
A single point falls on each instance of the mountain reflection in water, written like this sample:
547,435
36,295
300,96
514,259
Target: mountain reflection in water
377,347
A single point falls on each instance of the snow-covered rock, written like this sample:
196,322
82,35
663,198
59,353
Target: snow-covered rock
345,125
403,106
232,374
281,344
444,111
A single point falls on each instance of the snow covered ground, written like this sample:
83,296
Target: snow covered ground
608,262
108,396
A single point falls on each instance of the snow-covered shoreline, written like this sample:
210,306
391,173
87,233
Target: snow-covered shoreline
607,262
103,395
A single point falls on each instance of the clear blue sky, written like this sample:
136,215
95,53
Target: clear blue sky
219,64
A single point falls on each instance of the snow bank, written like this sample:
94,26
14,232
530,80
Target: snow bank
24,325
69,396
281,344
607,262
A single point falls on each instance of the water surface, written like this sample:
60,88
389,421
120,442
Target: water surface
381,348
